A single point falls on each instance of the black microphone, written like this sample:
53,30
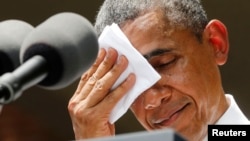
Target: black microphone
12,34
52,56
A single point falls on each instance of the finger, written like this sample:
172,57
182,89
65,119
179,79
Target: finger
97,63
107,64
103,86
113,98
102,69
93,68
81,83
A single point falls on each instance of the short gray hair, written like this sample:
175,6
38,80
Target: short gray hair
185,14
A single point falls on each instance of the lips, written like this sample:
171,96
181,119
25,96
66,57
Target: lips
169,118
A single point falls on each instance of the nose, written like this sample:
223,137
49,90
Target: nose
154,96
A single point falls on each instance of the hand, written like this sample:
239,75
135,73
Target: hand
93,101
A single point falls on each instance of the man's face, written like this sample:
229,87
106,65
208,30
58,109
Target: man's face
186,97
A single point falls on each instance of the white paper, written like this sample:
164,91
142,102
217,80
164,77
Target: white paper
146,76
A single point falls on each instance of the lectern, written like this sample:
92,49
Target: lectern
156,135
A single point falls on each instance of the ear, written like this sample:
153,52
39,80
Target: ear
218,38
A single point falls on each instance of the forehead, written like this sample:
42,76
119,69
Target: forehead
150,21
149,27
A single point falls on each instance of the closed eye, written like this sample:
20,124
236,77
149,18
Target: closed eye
165,64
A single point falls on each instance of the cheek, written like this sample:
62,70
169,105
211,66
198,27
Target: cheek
187,73
191,80
185,79
177,78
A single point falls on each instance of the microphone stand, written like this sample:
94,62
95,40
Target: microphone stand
30,73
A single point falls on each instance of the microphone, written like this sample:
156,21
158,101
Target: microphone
12,34
52,56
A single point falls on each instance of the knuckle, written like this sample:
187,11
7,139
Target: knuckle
71,106
79,112
99,85
95,65
85,115
92,80
84,77
111,98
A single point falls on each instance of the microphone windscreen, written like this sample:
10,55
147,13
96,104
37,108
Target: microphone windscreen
68,42
12,34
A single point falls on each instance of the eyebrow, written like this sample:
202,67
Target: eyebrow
156,52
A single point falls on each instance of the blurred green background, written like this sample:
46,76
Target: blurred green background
42,115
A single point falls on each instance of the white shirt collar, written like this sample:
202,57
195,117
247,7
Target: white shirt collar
233,115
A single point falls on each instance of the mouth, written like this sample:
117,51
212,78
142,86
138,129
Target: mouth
170,118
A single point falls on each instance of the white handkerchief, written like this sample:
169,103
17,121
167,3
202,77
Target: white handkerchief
146,76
